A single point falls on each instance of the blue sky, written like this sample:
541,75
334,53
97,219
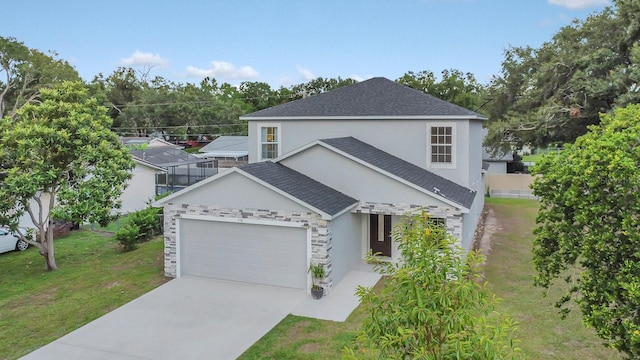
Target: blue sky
286,42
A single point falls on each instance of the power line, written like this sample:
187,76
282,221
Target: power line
175,126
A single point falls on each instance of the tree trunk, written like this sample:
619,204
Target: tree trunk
47,251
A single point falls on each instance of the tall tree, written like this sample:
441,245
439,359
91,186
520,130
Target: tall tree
588,227
24,71
118,90
317,86
553,93
60,160
454,86
184,110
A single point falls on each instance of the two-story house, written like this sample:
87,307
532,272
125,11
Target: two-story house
328,177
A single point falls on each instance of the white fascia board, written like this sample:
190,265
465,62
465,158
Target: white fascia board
324,215
397,178
375,117
193,187
243,220
347,209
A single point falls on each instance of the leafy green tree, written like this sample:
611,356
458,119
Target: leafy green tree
433,305
258,94
588,225
23,71
553,93
60,160
454,86
314,87
119,89
184,110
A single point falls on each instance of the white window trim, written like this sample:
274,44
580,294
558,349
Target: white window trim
454,145
279,143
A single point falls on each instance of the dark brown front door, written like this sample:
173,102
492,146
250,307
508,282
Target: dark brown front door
380,234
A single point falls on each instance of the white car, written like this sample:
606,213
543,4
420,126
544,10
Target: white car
10,241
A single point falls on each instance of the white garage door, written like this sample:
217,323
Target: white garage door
261,254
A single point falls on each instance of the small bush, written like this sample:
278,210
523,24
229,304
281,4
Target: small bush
141,226
128,236
147,221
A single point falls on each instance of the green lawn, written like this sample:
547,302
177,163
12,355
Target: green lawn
95,277
532,158
509,271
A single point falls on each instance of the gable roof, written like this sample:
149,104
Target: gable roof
301,187
489,155
374,98
149,141
148,164
436,185
166,156
227,146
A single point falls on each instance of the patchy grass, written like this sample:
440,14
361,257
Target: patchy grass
95,277
510,272
111,227
301,338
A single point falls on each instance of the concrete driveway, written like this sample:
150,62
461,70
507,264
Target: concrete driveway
186,318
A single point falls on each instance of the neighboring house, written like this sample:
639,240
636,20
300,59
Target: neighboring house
141,188
147,142
181,168
496,162
328,177
230,151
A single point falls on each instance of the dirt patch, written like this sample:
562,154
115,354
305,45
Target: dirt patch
310,347
487,226
296,332
111,285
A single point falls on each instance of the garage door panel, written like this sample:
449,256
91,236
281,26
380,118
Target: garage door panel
263,254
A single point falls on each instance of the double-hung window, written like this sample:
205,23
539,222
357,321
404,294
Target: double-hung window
441,145
269,141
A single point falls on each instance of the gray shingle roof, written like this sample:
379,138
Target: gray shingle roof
228,143
374,97
165,156
300,186
412,173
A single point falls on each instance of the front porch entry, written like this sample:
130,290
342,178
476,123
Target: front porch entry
380,234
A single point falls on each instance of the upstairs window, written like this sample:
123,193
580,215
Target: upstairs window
441,145
269,142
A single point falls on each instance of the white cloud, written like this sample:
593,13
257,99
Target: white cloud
579,4
306,74
144,59
223,70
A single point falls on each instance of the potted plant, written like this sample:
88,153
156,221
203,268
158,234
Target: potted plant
317,275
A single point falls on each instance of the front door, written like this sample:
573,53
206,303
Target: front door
380,234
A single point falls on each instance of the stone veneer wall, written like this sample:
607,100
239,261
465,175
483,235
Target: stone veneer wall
320,231
452,215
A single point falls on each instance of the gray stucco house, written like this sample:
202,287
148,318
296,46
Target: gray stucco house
327,179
